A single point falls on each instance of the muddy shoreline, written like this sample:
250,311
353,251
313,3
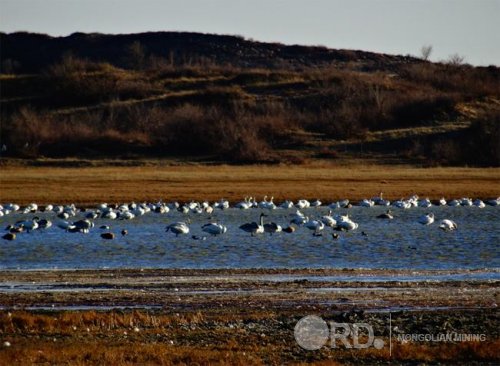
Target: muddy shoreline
235,316
183,289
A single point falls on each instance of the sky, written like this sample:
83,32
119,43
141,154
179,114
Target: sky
469,28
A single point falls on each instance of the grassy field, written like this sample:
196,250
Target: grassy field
89,185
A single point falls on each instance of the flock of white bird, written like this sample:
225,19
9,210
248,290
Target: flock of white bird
84,218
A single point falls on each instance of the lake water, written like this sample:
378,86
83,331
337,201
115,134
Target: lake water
401,243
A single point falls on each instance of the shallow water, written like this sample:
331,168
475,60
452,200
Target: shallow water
398,244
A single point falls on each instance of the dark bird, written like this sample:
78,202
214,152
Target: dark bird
124,232
74,229
272,228
91,215
196,237
9,236
335,236
15,229
104,227
388,215
44,224
289,229
84,224
364,234
108,236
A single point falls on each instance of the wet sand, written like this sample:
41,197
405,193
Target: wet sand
242,316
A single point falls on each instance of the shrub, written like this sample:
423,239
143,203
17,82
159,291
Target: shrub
483,140
78,82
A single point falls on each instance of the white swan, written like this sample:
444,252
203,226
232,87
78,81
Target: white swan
100,207
366,203
178,228
48,208
494,202
442,202
402,204
344,203
126,215
297,215
334,205
448,225
254,203
316,225
426,219
197,210
380,201
162,209
32,207
465,202
12,207
222,204
245,204
173,205
269,205
425,203
383,203
413,200
298,218
345,223
65,225
478,203
328,220
254,228
263,204
28,225
287,205
109,214
214,229
301,204
316,203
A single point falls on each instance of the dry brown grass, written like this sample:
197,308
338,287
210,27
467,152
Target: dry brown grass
104,353
90,185
98,338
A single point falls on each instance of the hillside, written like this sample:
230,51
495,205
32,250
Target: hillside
210,98
179,49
